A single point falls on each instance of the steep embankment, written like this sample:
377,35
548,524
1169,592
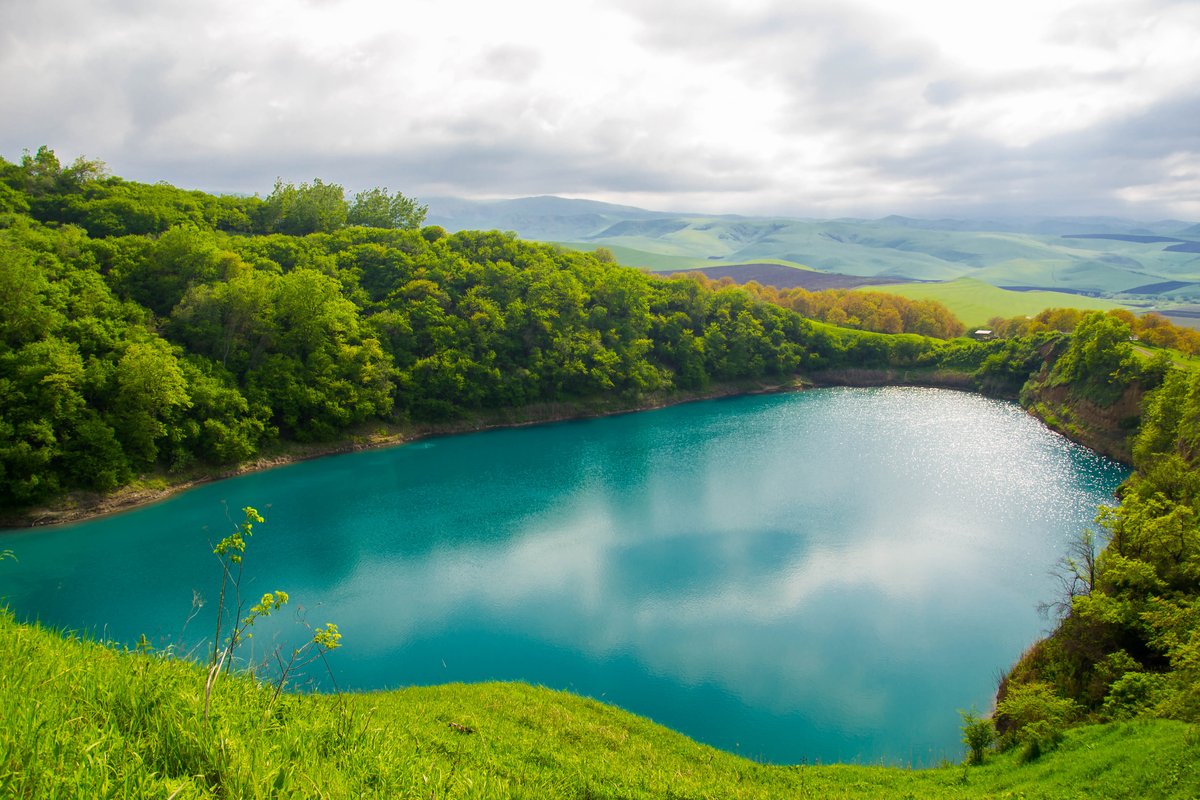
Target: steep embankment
1105,429
932,377
1090,387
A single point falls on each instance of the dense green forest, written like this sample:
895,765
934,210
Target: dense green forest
145,328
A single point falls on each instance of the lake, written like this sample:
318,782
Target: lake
821,576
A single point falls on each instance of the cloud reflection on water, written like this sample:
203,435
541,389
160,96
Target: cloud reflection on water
831,573
726,580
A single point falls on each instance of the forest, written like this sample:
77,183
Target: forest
146,327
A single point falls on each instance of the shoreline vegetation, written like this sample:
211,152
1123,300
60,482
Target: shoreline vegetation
150,489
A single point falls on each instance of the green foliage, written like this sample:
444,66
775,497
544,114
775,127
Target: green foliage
79,719
1134,694
1131,643
375,208
147,328
1034,716
230,552
318,207
237,625
978,735
1099,361
164,338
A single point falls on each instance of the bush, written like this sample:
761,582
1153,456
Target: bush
1035,717
1133,694
978,734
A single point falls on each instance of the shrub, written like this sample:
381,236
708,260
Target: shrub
1035,717
978,734
1134,694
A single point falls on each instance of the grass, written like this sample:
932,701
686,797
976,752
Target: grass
643,259
79,719
1146,352
975,302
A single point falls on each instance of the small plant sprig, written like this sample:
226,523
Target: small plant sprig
229,552
323,641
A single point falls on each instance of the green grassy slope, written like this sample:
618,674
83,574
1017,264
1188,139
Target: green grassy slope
656,262
878,248
1041,254
632,257
974,302
81,720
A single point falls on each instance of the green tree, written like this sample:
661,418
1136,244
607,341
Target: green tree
1034,715
1099,361
375,208
318,207
151,391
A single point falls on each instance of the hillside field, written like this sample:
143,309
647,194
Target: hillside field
79,719
975,302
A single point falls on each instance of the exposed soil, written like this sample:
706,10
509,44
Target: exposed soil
78,506
857,376
1105,430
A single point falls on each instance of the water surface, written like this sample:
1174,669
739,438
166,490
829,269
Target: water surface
825,576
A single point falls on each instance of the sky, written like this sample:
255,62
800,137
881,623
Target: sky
802,108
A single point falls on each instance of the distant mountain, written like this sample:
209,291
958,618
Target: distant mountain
544,218
1101,256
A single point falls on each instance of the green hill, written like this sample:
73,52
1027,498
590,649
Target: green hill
975,302
1091,255
78,719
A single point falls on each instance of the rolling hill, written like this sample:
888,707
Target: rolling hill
1142,265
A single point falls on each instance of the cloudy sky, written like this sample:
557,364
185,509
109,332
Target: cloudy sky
807,107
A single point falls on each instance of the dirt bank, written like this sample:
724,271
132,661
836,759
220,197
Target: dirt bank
153,488
1103,430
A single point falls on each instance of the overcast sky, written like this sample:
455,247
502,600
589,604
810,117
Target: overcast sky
847,107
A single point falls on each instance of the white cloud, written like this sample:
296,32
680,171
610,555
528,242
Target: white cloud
816,107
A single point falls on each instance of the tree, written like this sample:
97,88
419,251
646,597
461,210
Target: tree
1099,360
44,173
182,257
375,208
151,389
1034,715
304,209
1076,574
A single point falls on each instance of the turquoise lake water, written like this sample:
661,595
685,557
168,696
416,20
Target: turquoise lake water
824,576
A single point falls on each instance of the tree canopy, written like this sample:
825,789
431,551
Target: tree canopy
149,327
